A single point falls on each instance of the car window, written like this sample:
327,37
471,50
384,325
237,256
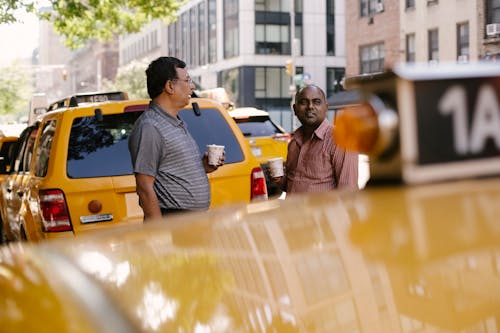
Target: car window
257,126
211,128
6,154
43,150
28,153
16,162
99,148
24,150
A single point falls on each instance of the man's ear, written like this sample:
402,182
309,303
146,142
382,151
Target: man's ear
169,87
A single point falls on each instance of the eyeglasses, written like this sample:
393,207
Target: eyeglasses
188,81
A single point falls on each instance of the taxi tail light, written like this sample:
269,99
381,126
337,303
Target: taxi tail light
258,185
55,216
285,137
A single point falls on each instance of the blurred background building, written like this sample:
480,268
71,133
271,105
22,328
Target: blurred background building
248,47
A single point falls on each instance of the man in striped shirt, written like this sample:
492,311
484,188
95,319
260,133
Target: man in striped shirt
170,175
314,162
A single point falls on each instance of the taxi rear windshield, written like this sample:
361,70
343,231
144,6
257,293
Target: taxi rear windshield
257,126
99,147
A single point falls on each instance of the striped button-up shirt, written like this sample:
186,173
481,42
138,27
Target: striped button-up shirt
318,164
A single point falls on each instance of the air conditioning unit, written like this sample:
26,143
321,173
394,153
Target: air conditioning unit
493,29
463,58
379,7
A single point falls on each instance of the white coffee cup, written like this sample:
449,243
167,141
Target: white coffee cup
275,166
215,152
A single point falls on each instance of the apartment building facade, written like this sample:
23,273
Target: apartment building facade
382,33
244,45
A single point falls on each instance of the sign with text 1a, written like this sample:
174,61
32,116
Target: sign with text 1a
456,131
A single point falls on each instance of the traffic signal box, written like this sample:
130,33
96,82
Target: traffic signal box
289,67
424,123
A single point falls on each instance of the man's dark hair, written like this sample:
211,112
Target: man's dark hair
159,72
299,92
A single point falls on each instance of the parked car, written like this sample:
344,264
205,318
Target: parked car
7,149
417,252
13,185
74,174
267,139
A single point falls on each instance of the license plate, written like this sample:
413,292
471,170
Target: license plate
256,151
96,218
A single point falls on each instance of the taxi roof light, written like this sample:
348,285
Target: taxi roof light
356,128
369,128
75,100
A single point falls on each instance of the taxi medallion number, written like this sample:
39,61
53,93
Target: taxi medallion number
457,121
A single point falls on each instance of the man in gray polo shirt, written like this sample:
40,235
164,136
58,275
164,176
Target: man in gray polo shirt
170,175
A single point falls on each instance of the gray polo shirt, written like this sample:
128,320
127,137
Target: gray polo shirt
161,146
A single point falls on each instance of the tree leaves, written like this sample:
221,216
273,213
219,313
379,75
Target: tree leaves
8,9
130,78
15,90
80,20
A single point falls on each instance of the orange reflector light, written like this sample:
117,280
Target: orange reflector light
356,128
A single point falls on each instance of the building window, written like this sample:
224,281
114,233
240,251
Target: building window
410,48
271,82
463,42
184,19
272,26
370,7
493,11
372,58
433,46
334,80
212,31
172,40
193,34
272,5
231,31
230,82
272,39
330,27
202,33
410,4
277,5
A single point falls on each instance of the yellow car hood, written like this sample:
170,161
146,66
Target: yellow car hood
384,259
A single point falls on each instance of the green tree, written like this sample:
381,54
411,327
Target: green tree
15,91
80,20
8,9
131,79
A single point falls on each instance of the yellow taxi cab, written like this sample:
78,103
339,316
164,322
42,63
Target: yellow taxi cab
14,183
266,138
417,250
78,175
7,149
